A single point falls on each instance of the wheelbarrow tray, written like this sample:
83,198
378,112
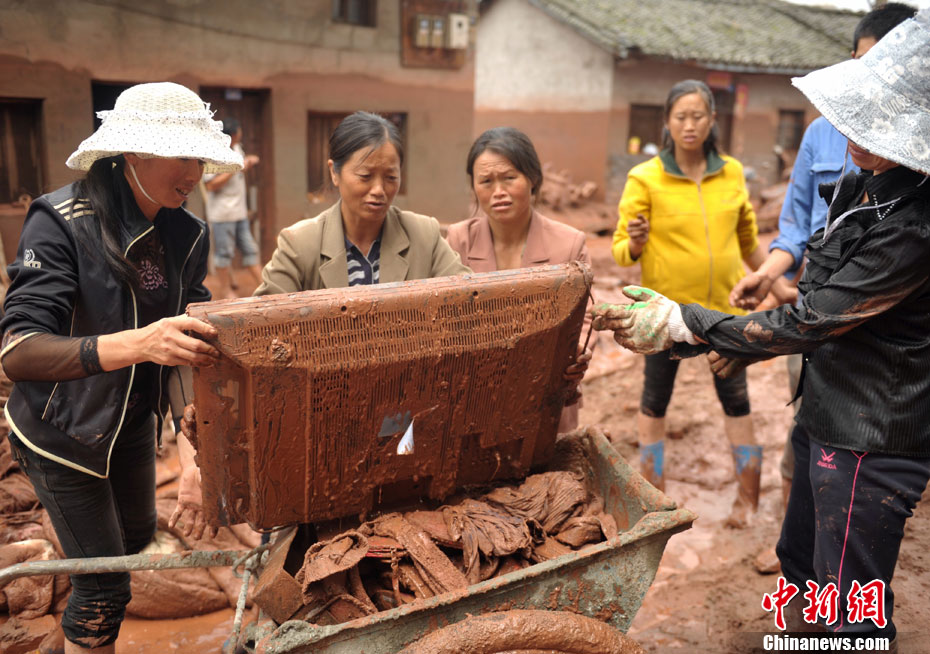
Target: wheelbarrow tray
607,581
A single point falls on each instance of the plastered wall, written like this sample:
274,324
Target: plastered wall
53,50
535,74
573,98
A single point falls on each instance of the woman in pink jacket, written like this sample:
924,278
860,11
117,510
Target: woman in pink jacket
508,232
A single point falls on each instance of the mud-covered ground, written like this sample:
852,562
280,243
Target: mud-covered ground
706,593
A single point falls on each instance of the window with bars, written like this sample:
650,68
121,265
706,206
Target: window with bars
788,138
790,128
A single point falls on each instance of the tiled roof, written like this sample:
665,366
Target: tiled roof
747,35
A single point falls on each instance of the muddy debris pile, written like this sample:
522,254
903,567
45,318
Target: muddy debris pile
578,204
30,607
559,190
398,558
771,199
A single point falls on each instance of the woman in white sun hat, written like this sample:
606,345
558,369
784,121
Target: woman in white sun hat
91,329
862,438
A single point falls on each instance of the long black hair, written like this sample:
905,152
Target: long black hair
102,234
687,87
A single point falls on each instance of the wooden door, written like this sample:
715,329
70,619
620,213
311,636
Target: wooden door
252,108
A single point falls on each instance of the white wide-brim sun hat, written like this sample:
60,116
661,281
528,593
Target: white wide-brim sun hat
881,102
161,119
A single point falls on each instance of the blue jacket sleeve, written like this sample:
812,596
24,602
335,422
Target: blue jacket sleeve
794,223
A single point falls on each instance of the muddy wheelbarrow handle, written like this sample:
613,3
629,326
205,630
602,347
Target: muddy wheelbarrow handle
127,563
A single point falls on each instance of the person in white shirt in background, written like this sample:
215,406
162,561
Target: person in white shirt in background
228,214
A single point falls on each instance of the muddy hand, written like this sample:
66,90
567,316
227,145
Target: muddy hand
575,372
189,425
651,324
189,511
178,340
750,291
610,316
725,367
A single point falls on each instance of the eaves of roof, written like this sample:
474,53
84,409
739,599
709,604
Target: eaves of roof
770,36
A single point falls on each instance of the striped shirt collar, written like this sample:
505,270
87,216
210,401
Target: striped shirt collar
362,270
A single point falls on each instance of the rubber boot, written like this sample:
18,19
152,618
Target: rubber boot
748,462
652,463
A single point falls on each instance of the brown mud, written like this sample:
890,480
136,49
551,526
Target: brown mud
706,593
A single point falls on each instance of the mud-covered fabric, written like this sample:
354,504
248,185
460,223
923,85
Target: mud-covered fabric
486,531
98,517
864,324
845,521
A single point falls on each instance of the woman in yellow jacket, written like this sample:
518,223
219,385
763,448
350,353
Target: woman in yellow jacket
685,217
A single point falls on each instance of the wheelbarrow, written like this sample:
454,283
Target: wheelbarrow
579,603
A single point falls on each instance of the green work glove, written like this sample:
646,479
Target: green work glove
652,324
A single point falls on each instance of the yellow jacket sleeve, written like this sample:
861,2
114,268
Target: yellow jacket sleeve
747,229
635,200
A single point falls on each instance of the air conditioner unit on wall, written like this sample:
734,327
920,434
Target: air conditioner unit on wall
457,28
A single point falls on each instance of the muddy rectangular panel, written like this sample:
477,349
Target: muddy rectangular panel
301,419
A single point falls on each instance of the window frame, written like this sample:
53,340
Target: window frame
343,14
